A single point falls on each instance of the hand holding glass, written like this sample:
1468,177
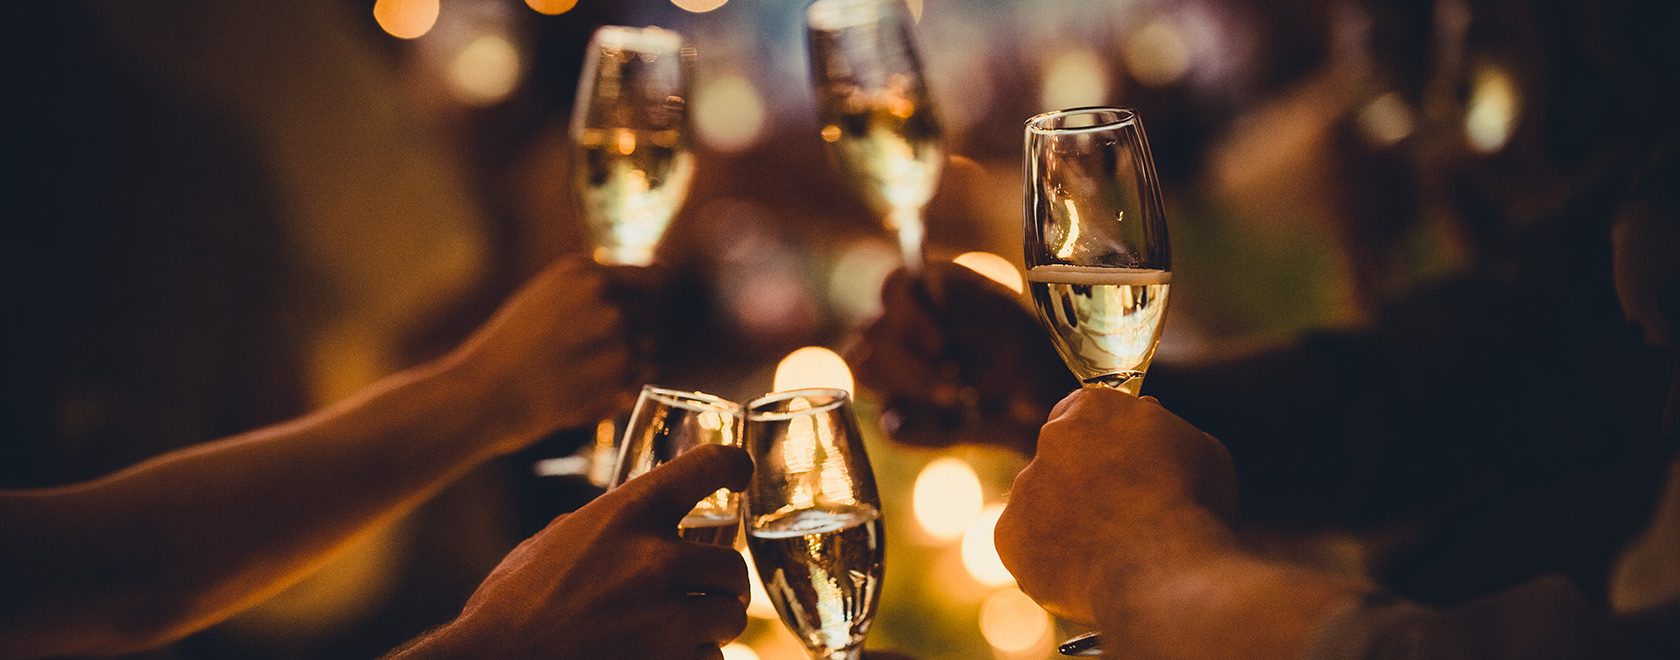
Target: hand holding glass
631,164
1097,256
664,424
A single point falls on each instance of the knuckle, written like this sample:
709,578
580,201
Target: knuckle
736,623
709,453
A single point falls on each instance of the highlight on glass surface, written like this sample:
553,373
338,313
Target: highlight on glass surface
813,518
1096,242
632,163
877,116
664,424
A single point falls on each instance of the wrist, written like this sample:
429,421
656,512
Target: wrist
466,400
448,641
1167,545
1221,601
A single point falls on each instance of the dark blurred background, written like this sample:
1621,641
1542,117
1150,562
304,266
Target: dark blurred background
226,214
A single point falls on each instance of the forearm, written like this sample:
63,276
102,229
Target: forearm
173,544
1230,605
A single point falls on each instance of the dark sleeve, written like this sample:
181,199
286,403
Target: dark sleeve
1544,618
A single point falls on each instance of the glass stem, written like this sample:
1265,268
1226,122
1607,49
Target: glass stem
851,653
908,224
1129,383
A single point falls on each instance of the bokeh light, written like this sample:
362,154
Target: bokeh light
1157,54
947,498
405,19
979,553
729,114
854,281
1491,114
551,7
994,268
699,6
1074,78
1014,625
1386,120
813,366
485,70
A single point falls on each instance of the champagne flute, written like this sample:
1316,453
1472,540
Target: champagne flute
631,162
877,116
664,424
813,518
1096,242
1097,257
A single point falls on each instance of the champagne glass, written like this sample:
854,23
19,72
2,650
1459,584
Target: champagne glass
1096,242
664,424
1097,257
631,163
813,518
631,160
877,117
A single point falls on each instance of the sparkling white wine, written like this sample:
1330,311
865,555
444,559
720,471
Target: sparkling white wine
890,149
1105,322
632,183
710,528
822,569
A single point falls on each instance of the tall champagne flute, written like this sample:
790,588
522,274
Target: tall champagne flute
631,160
631,163
664,424
877,117
814,518
1097,257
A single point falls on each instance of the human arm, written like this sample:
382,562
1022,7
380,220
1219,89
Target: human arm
171,545
612,579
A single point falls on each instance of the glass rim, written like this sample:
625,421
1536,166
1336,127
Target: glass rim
1038,123
755,414
648,39
691,400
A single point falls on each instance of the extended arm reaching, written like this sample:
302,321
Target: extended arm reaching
169,546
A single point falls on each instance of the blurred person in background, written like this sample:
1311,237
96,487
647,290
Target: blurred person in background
1483,419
